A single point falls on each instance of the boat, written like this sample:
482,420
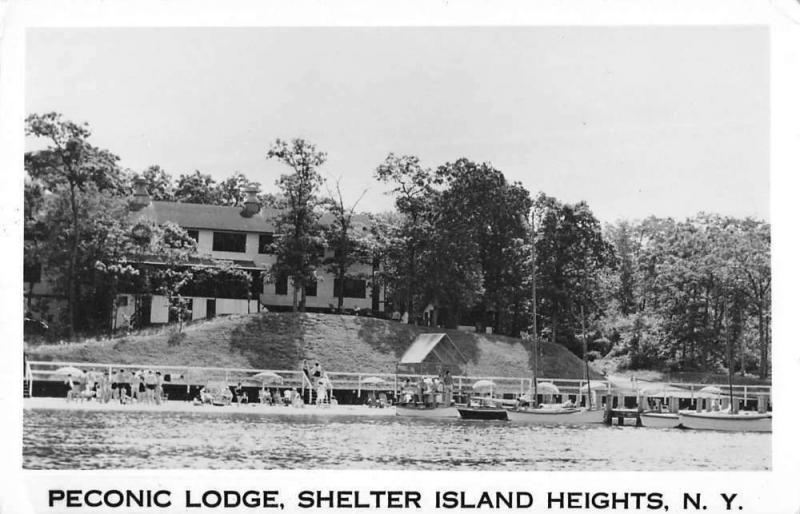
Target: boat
556,415
656,419
483,408
744,421
730,419
425,411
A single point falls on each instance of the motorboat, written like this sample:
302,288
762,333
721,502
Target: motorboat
555,414
483,408
657,419
743,421
421,410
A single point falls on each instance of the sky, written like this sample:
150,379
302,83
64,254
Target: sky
636,121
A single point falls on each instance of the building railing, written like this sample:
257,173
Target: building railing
198,376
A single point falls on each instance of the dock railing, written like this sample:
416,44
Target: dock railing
189,376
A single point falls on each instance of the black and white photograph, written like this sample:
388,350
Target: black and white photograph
415,248
516,248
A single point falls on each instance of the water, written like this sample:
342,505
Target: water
74,439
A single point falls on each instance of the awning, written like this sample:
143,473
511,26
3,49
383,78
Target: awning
439,346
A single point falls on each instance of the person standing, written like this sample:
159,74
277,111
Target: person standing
448,388
159,391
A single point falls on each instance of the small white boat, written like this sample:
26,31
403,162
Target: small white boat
421,411
556,416
724,420
659,419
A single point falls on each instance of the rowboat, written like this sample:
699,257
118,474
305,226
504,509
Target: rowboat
653,419
556,416
726,421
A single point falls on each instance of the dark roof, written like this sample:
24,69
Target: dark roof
216,217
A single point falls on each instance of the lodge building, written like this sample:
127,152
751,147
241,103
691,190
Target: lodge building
239,235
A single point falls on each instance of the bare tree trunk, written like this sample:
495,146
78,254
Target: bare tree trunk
294,296
764,354
73,264
340,303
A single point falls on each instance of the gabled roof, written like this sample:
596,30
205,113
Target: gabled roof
214,217
439,345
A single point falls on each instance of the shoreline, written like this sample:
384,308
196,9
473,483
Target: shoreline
181,406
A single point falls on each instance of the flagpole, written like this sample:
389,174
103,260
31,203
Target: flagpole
535,339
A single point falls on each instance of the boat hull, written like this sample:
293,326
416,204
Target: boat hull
659,420
426,412
726,421
556,416
482,413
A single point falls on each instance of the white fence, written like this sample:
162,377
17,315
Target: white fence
196,376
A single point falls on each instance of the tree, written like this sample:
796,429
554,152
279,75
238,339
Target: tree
70,163
197,188
173,246
490,212
347,241
231,190
415,190
570,255
299,240
159,183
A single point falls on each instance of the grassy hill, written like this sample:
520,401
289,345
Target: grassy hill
283,340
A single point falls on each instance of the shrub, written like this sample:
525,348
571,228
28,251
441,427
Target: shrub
175,338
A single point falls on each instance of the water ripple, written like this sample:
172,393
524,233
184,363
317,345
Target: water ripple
60,439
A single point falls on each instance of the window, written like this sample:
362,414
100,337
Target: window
32,273
264,242
194,234
122,301
311,288
230,242
282,285
353,288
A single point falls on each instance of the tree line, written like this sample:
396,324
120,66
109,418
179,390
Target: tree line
458,248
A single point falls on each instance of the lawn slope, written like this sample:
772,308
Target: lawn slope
283,340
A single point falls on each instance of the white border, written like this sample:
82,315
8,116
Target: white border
769,492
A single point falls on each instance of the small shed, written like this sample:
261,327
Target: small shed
431,353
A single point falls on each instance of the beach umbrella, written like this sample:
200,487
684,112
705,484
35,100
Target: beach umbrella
594,386
268,377
372,380
94,375
68,370
660,390
711,390
547,388
483,386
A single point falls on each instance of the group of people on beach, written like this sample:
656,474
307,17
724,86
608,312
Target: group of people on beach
429,391
124,386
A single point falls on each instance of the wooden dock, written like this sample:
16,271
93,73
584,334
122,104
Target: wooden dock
620,415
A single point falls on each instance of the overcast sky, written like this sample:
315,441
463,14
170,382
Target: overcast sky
636,121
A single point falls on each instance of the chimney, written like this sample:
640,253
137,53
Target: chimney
141,198
251,205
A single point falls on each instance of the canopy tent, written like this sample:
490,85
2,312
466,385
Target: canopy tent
429,353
